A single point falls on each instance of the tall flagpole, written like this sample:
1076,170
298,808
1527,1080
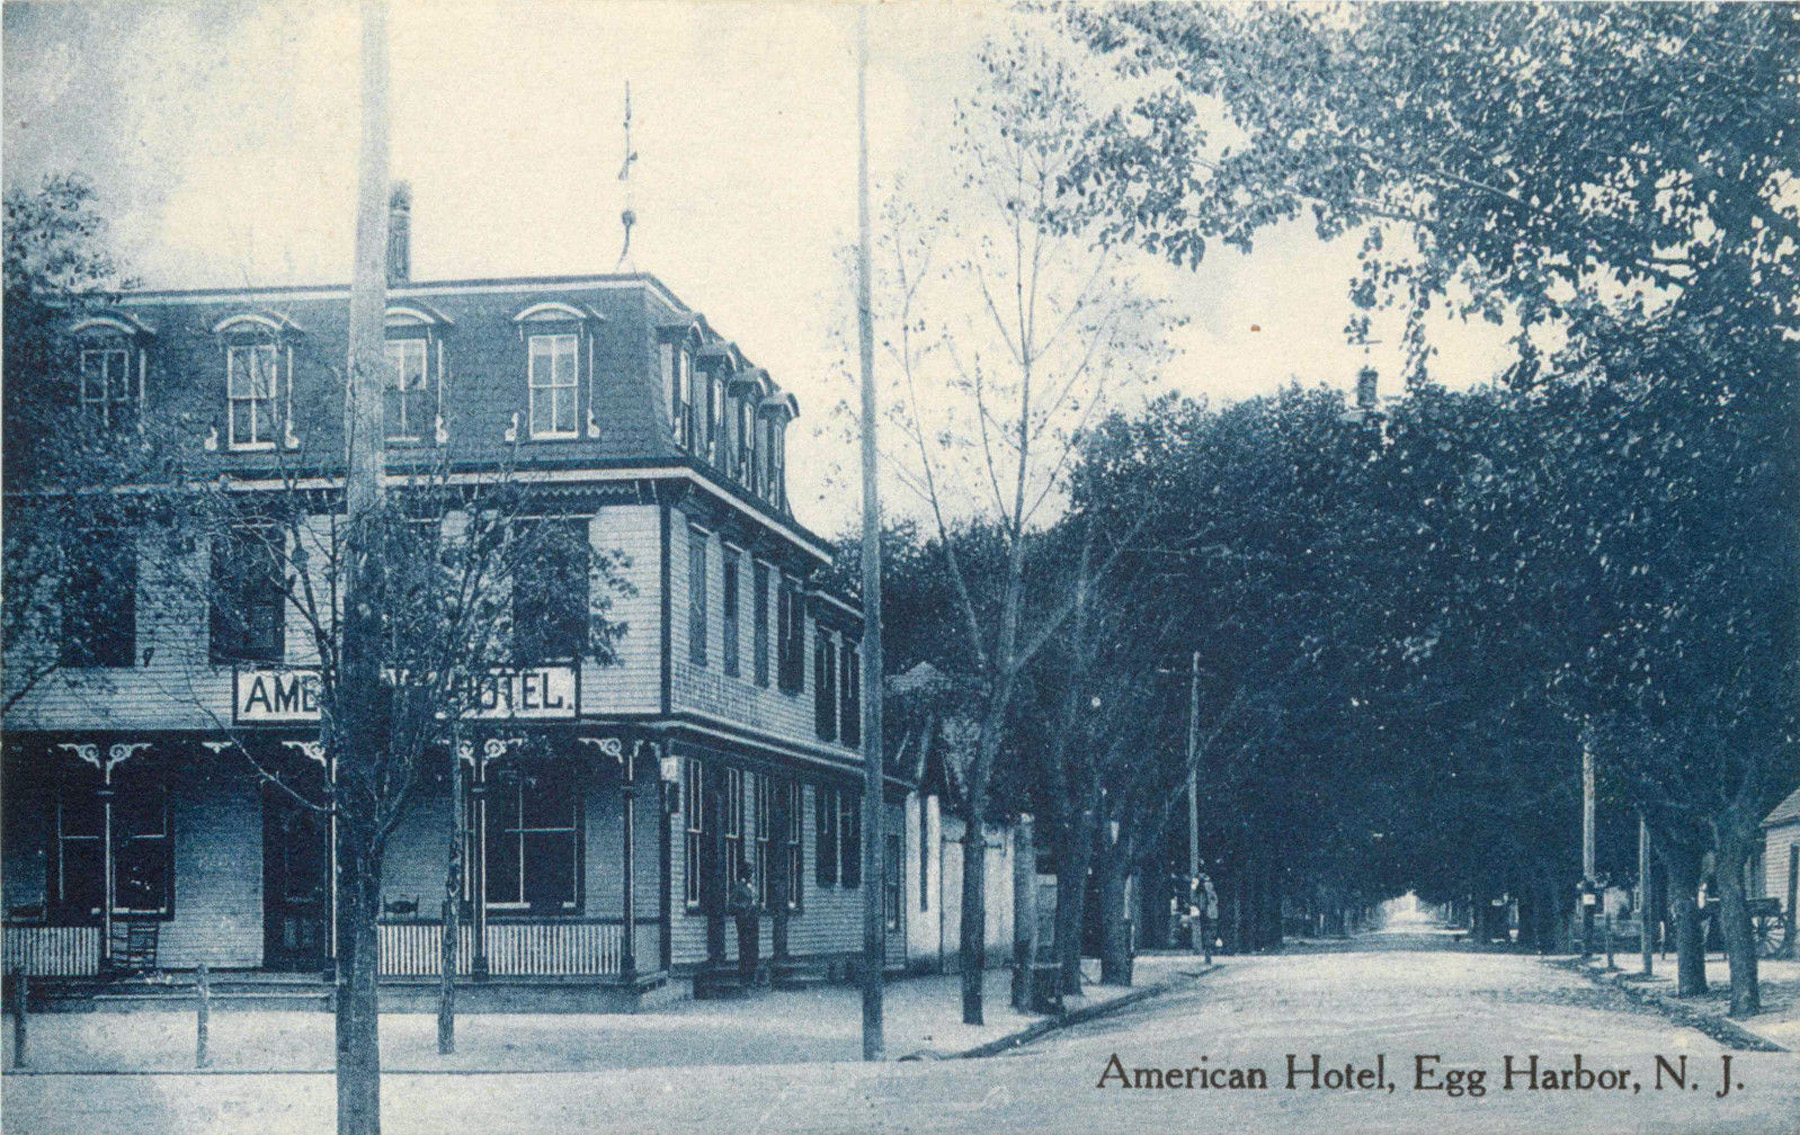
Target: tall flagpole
874,871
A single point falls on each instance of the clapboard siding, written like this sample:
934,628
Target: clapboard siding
633,684
708,689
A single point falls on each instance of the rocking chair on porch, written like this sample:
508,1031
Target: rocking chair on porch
133,945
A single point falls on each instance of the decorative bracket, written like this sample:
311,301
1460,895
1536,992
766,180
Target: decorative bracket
212,440
311,750
512,431
218,747
442,434
494,748
593,427
115,755
610,747
287,434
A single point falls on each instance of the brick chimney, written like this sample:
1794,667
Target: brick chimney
399,257
1365,388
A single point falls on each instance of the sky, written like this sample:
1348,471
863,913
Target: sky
222,139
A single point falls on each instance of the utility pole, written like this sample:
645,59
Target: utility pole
1588,896
353,729
1644,891
874,869
1197,928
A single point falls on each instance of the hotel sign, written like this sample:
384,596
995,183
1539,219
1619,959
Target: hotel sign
291,696
274,697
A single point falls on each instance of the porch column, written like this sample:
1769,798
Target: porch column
781,816
628,791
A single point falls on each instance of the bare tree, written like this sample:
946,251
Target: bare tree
1003,357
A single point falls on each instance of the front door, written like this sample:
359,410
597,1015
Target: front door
296,885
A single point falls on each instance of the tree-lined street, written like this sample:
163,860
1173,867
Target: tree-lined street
1349,1007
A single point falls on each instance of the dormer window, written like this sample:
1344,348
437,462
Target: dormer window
411,409
553,333
250,382
110,378
415,359
106,384
258,363
553,396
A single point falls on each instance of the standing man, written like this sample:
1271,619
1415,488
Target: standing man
741,905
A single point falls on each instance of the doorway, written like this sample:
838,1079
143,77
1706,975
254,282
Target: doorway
296,885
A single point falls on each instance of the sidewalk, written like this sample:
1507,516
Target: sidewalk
922,1015
1778,1023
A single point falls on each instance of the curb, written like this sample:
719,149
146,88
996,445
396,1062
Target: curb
1075,1017
1722,1029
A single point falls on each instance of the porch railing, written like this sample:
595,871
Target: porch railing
549,948
51,951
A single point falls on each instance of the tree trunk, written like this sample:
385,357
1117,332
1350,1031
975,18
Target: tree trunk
1734,915
1071,898
974,917
1115,921
1690,956
453,876
1025,921
358,1004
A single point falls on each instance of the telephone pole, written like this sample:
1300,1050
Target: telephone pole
874,869
1197,928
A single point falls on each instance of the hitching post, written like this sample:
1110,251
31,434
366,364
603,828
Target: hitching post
18,1008
202,1058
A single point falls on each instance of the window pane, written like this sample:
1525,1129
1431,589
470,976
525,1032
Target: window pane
549,859
82,814
549,801
565,409
502,847
565,360
140,875
79,884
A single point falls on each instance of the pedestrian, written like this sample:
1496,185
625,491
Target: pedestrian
741,904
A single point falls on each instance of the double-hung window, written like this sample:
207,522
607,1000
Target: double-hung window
411,409
850,703
107,385
790,611
693,811
533,838
746,433
759,620
728,614
140,859
251,381
825,686
793,829
697,540
678,378
99,600
249,596
890,883
732,817
760,811
552,382
850,839
825,833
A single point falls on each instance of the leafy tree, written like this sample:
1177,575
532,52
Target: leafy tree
1618,178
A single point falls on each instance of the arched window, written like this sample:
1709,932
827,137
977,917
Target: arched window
259,358
111,364
556,336
413,403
